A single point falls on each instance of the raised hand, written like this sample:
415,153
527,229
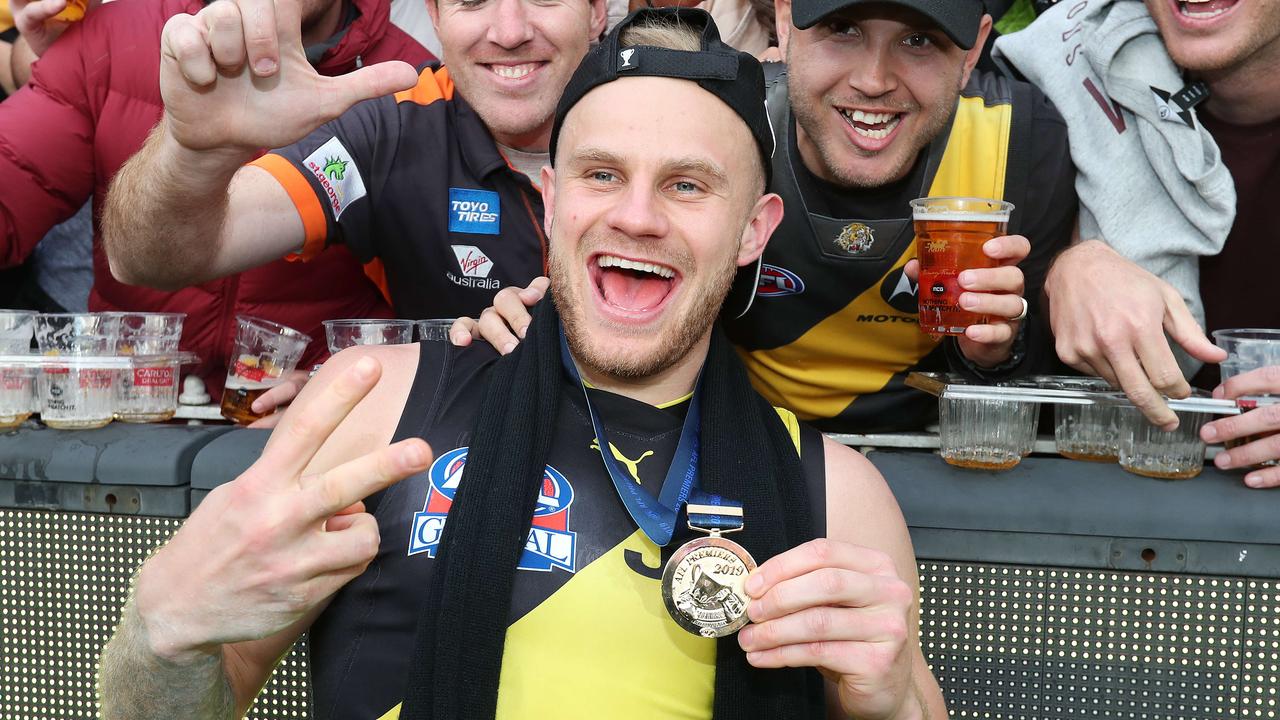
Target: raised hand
235,76
263,551
844,610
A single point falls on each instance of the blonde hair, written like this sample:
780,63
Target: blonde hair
662,33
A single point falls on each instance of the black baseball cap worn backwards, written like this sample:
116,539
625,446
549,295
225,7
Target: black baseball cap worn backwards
732,76
959,19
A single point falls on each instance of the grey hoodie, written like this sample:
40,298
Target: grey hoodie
1150,178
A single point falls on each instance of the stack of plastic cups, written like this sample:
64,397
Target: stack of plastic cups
1087,432
17,386
1151,452
77,396
148,391
985,434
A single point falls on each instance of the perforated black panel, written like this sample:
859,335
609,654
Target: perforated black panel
1004,641
63,579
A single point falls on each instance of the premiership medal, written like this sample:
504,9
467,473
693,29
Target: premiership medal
703,583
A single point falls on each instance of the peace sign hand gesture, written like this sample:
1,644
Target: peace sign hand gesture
263,551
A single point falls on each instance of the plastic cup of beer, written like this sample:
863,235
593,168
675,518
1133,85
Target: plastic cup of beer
435,329
148,391
1151,452
985,434
1087,432
263,354
342,334
17,383
1248,349
77,396
950,232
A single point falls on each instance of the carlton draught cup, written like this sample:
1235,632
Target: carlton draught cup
264,353
950,233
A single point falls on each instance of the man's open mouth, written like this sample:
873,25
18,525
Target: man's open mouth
632,286
873,125
1205,9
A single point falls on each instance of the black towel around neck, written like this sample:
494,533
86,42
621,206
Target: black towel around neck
747,455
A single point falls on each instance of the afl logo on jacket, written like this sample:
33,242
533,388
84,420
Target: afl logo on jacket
551,543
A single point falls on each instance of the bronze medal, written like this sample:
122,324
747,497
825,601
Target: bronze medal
703,586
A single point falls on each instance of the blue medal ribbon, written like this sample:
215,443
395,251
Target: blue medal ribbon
656,517
713,513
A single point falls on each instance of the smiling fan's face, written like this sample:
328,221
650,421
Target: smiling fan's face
511,59
649,226
870,87
1215,35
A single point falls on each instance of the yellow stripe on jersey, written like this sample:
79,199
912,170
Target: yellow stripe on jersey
792,423
603,646
841,358
975,166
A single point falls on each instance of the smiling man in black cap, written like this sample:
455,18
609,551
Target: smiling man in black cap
548,561
879,103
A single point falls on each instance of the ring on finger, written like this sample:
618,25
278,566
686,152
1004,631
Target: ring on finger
1022,315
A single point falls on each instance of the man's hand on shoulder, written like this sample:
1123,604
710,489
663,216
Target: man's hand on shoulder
261,552
1109,318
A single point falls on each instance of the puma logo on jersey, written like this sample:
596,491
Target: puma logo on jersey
633,466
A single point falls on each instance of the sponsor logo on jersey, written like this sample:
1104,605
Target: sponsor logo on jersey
856,238
337,173
776,282
475,267
474,211
899,292
550,543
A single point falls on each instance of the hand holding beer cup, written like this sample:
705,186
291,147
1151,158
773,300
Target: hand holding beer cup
967,274
266,550
235,76
265,355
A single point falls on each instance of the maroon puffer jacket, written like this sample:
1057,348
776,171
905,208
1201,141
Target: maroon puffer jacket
92,99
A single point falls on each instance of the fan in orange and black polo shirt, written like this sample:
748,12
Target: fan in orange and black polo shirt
416,181
436,193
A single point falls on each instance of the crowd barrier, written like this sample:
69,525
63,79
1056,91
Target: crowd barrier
1058,589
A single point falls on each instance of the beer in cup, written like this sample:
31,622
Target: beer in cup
148,391
263,354
77,396
17,386
342,334
950,233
